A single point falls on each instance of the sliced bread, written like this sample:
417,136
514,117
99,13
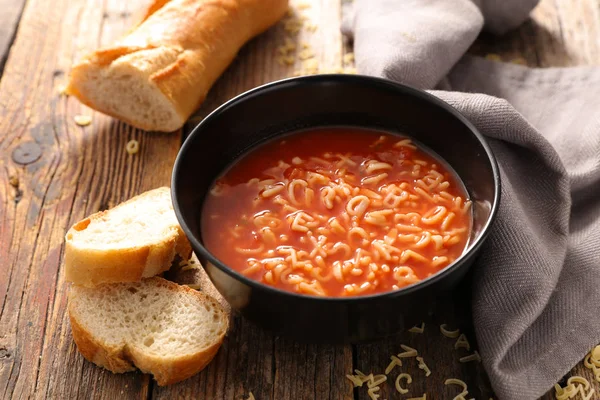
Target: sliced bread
136,239
162,328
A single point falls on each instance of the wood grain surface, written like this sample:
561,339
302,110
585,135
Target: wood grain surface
54,172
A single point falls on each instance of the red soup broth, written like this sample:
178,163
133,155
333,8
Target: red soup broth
337,212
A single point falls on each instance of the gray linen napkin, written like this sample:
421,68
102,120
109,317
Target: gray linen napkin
536,287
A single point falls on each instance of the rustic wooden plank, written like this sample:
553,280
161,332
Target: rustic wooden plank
438,353
9,21
79,171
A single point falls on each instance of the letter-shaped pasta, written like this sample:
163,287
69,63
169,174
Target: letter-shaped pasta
357,205
258,250
328,196
377,217
406,143
383,216
375,179
374,165
292,188
314,288
405,276
408,380
424,241
339,246
435,216
361,233
395,197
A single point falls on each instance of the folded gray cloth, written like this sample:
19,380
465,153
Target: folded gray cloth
536,287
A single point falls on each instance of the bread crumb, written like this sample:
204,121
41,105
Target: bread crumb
306,54
13,180
311,27
62,90
348,58
493,57
293,25
132,147
288,60
83,120
303,5
331,70
305,45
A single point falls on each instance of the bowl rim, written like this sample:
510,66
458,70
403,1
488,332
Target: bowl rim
338,78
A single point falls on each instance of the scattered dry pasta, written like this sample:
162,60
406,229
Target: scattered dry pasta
372,392
471,357
448,333
408,352
462,342
418,329
458,382
399,387
83,120
395,362
132,147
423,366
592,362
575,385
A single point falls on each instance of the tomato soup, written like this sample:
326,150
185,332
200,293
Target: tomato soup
337,212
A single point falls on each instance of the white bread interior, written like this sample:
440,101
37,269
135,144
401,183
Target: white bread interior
136,239
162,328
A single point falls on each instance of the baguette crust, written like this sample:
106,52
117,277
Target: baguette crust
89,266
127,357
170,60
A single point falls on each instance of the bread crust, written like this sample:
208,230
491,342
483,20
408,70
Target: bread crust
200,38
125,358
89,267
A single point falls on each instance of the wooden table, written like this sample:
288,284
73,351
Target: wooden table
65,172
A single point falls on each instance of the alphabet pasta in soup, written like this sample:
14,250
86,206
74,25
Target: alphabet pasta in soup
337,212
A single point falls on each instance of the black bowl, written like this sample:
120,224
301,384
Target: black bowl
323,100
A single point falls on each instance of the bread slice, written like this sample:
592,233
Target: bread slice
136,239
162,328
160,72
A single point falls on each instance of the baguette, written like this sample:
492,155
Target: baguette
162,328
160,72
136,239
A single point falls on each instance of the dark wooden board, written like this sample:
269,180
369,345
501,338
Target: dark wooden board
81,170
